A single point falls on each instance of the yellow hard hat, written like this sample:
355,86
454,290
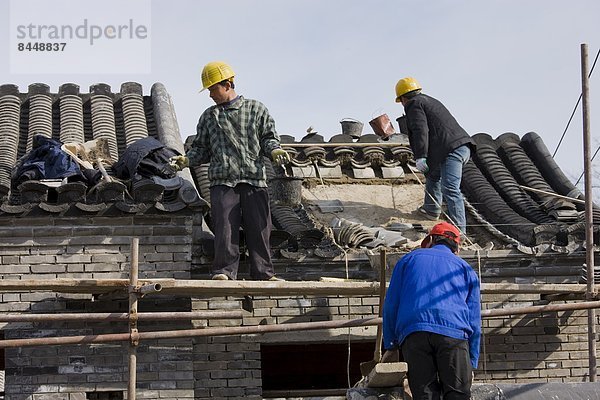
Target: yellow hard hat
215,72
406,85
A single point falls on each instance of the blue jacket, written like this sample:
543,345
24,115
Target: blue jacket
433,290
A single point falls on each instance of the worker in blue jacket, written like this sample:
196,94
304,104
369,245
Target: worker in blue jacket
432,313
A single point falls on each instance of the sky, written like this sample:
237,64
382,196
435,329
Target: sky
498,65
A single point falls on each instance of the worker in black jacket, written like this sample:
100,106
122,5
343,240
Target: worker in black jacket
440,147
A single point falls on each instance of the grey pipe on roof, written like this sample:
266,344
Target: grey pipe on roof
168,133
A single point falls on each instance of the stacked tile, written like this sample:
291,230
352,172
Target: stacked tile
71,114
133,112
40,112
103,117
10,107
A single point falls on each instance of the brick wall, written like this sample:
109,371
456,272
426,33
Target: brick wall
525,349
551,347
94,248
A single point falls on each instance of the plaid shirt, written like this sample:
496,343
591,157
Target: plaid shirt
234,138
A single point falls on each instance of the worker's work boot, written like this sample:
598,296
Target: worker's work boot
423,212
220,277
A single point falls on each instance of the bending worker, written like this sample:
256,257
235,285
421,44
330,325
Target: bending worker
440,147
432,313
234,135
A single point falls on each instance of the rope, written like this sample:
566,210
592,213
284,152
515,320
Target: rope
575,109
440,206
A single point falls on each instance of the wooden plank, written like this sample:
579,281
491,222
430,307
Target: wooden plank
387,375
265,288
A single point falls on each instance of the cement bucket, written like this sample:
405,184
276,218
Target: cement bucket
382,126
352,127
286,190
402,124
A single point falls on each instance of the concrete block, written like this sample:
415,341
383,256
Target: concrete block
363,173
304,172
330,172
392,172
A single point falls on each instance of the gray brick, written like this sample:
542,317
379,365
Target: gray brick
109,258
37,259
244,382
228,392
227,374
10,259
163,385
225,356
225,305
101,267
294,303
75,268
175,394
74,258
48,268
176,375
154,257
14,269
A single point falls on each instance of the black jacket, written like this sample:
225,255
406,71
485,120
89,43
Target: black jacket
432,130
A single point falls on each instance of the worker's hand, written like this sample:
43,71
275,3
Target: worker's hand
422,165
179,162
280,156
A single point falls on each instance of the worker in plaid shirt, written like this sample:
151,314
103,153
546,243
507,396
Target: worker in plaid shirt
234,135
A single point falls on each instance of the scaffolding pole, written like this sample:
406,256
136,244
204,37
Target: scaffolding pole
111,317
589,217
133,315
263,329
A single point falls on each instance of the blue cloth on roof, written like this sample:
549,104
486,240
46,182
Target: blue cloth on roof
46,160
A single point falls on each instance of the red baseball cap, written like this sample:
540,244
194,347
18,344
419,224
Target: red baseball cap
444,229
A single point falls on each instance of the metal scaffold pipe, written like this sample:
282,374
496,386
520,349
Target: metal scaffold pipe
221,331
589,217
144,316
262,329
134,293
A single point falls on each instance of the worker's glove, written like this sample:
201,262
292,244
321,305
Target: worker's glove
422,165
280,156
179,162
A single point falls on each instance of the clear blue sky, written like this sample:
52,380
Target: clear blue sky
498,65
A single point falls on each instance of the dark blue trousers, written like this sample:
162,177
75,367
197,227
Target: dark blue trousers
437,365
246,206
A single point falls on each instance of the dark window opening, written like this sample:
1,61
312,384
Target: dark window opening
312,366
116,395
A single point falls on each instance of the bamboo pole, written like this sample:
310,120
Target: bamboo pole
219,331
571,199
133,318
263,329
589,217
207,288
505,312
144,316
